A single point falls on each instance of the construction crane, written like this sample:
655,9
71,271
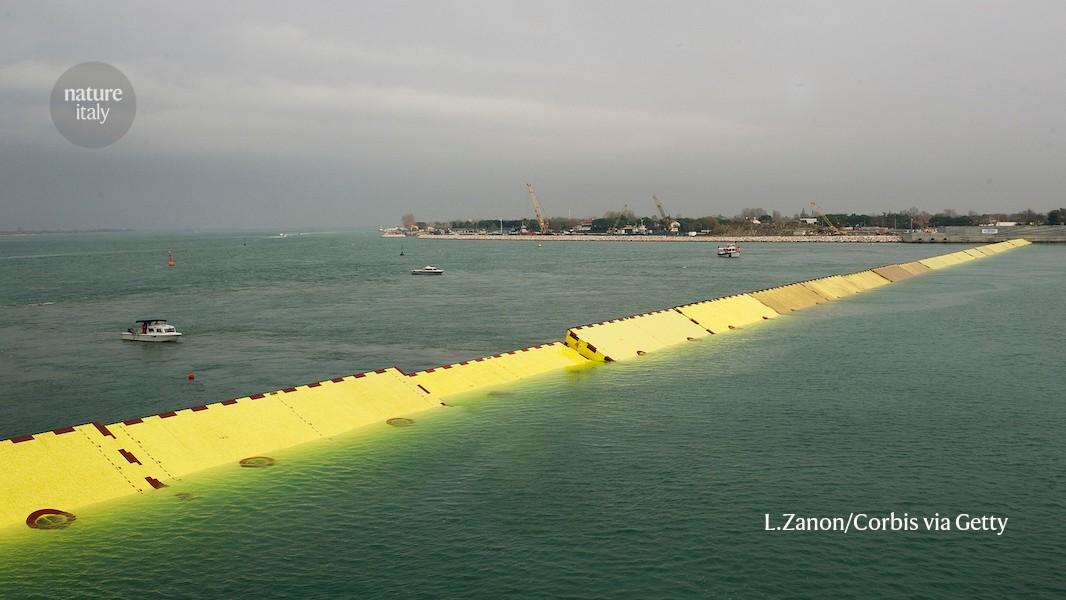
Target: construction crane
670,224
541,221
662,211
833,229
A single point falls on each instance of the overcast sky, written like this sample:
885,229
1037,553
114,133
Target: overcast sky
347,114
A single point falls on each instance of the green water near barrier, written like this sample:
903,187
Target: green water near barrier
647,479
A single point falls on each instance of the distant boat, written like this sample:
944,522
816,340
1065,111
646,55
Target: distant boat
427,270
151,330
170,259
401,249
729,251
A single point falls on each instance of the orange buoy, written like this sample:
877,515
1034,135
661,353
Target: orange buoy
170,259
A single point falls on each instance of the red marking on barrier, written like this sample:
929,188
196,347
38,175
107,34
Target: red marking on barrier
130,458
289,390
103,429
731,327
21,438
511,352
765,318
608,359
257,396
167,415
381,370
590,347
496,356
479,359
422,388
691,339
62,430
198,408
641,353
315,384
446,367
132,421
359,375
524,350
465,362
228,402
155,483
429,370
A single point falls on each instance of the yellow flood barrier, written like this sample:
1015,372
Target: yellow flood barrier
498,369
731,312
893,273
788,298
72,467
915,268
65,468
866,280
832,287
630,337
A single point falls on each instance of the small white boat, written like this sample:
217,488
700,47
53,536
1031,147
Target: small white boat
427,270
151,330
729,251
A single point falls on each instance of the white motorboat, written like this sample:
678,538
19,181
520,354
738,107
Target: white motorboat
427,270
151,330
729,251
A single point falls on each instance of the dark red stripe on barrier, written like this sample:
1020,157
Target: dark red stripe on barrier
429,370
257,396
155,483
132,422
338,379
591,347
289,390
62,430
446,367
21,438
478,359
380,370
198,408
167,415
465,362
130,458
228,402
359,375
315,384
422,388
103,430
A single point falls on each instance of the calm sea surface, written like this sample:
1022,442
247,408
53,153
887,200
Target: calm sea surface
649,479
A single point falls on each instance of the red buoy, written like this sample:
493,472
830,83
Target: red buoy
192,376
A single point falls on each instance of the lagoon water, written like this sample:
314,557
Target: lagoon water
648,479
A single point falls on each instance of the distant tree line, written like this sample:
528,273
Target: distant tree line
763,220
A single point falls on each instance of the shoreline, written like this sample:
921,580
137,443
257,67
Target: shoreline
847,239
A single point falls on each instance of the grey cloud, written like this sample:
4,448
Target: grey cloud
276,114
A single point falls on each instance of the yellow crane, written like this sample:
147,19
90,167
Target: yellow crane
541,221
833,229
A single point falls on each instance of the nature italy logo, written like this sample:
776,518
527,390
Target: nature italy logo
93,104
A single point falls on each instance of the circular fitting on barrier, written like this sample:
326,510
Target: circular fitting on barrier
641,353
256,462
50,518
400,422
